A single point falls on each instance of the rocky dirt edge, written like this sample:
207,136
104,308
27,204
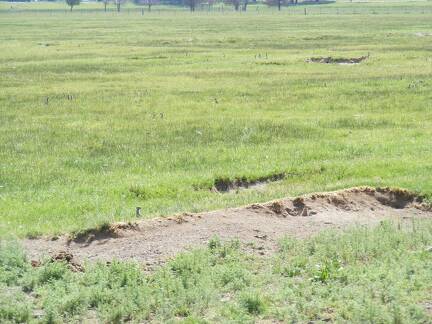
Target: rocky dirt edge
330,205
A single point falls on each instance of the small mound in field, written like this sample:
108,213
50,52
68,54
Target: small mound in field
337,60
271,63
101,232
62,256
154,241
420,34
351,200
226,184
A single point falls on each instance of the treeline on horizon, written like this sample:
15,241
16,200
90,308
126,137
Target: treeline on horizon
183,2
238,5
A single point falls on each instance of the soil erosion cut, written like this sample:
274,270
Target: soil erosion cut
259,225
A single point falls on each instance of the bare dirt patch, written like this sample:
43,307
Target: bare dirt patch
337,60
420,34
258,225
62,256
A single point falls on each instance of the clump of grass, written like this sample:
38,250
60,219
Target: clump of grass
104,228
373,265
146,193
33,234
13,263
253,302
15,306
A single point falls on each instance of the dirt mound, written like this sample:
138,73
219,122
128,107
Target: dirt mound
154,241
102,232
420,34
337,60
62,256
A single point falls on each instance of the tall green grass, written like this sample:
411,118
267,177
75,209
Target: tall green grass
95,106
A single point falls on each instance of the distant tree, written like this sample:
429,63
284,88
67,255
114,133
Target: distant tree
105,2
278,3
173,2
245,3
235,3
192,4
211,3
238,4
73,3
148,3
118,4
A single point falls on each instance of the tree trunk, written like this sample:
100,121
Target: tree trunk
279,5
149,6
105,5
71,8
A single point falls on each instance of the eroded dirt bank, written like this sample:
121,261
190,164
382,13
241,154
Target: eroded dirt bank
154,241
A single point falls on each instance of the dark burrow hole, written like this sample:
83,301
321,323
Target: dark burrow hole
397,198
337,60
222,184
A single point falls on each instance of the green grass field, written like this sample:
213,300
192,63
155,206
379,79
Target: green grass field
103,112
95,107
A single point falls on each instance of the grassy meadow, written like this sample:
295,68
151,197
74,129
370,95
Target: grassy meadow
100,113
104,112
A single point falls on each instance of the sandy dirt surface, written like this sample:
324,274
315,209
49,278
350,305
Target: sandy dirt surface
152,242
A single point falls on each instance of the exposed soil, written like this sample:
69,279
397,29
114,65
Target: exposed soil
154,241
337,60
62,256
423,34
226,184
428,307
102,232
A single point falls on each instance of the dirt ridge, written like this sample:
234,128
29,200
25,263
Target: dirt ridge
153,241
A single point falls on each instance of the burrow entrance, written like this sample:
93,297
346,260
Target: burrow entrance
337,60
222,184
